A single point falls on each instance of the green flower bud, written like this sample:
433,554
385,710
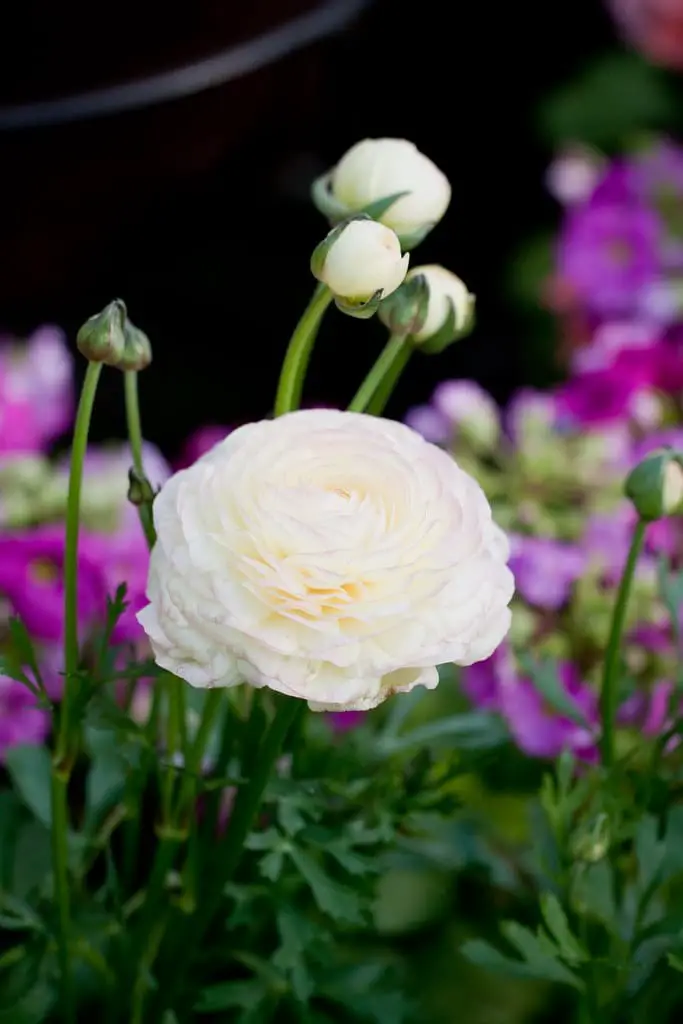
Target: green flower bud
405,311
655,486
140,490
101,339
137,352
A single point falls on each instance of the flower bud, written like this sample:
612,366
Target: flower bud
655,486
137,352
405,311
450,311
101,339
140,490
360,262
392,181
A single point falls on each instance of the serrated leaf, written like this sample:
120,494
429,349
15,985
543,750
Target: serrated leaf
270,866
537,954
340,902
593,893
558,926
543,968
29,768
265,840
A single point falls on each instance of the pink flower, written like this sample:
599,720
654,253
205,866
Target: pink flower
604,396
22,721
545,569
32,581
36,391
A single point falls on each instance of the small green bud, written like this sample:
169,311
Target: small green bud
140,490
101,339
405,310
137,352
593,844
655,486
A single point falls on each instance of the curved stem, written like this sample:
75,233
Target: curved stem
298,353
376,389
610,676
135,440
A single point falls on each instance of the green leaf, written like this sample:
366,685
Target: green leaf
675,961
558,926
107,776
539,954
23,648
270,866
472,730
29,769
229,995
543,968
544,676
593,893
340,902
297,934
32,859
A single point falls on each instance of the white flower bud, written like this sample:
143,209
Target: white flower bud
445,291
377,168
672,490
362,260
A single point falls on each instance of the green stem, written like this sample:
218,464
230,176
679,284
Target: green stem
146,960
610,676
65,746
73,511
298,353
193,765
384,375
59,835
135,440
247,804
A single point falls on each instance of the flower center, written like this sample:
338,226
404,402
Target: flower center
42,570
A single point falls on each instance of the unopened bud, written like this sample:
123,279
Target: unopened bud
101,339
655,486
140,490
360,261
450,310
137,352
405,310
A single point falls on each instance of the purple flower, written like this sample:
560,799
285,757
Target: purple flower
545,569
430,423
21,720
536,729
602,396
610,340
31,580
608,251
36,391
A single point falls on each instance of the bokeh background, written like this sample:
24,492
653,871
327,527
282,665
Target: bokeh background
196,212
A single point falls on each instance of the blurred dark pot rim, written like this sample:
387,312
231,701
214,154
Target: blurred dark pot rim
325,19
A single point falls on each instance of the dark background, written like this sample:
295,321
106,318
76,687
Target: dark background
197,213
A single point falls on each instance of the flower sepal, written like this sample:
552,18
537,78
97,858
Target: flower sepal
405,311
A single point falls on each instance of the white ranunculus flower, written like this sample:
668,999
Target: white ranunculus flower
377,168
363,259
331,556
444,288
